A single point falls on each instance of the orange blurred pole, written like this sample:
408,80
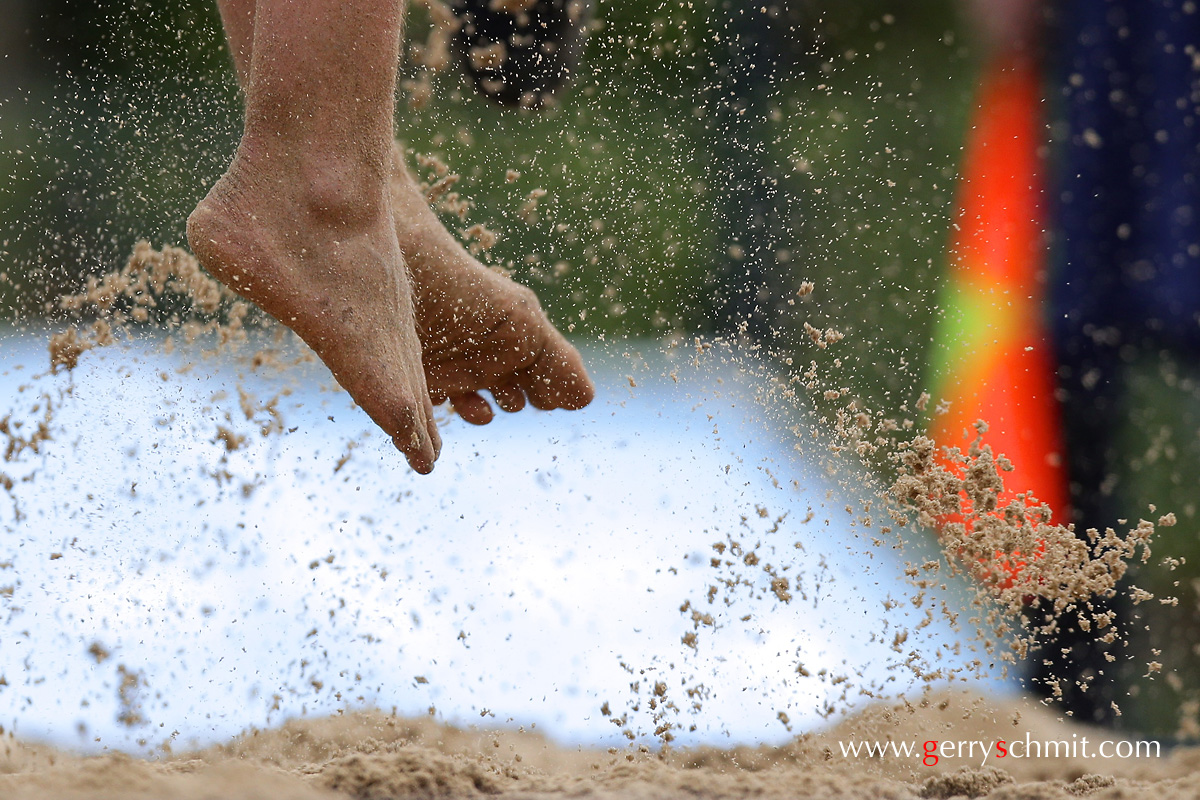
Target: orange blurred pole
993,359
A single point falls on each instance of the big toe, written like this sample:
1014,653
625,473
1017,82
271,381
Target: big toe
416,436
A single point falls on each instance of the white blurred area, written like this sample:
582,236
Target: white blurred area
243,588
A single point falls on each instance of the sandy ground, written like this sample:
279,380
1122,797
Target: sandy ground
372,755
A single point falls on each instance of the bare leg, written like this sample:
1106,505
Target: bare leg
302,222
478,329
237,18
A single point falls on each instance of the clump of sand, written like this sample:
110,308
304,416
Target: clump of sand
165,287
1017,557
958,495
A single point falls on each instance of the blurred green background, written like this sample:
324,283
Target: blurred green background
115,117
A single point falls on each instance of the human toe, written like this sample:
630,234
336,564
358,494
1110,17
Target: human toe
509,396
558,379
414,440
473,408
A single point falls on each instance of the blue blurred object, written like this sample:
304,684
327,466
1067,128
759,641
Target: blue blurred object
1126,209
1125,278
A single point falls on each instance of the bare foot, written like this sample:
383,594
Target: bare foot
325,261
479,330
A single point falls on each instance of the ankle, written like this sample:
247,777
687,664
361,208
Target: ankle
343,191
327,188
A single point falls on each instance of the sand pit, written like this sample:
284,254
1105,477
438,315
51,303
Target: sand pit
372,755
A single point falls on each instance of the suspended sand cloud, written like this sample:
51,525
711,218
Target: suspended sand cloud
176,575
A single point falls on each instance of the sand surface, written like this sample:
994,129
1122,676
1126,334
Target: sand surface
373,755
